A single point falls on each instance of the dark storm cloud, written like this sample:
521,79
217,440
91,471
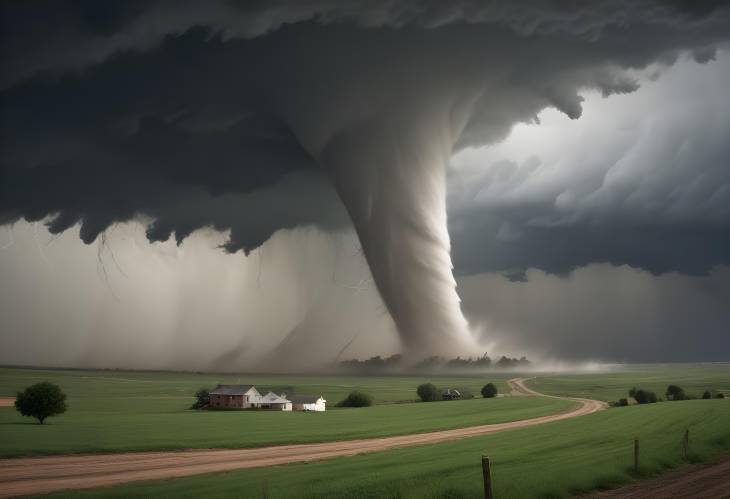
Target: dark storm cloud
168,109
641,183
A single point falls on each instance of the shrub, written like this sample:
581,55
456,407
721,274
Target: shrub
428,392
623,402
707,395
719,395
489,391
356,399
644,396
41,401
675,393
202,399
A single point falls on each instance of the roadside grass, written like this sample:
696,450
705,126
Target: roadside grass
552,460
133,411
610,386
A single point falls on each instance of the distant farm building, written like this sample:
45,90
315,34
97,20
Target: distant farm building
248,397
450,394
308,403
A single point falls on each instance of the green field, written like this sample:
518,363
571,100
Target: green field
112,411
610,386
552,460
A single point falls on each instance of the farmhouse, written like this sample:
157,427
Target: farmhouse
248,397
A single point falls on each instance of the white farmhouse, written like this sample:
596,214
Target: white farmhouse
248,397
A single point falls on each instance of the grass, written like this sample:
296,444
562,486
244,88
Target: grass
128,411
694,378
553,460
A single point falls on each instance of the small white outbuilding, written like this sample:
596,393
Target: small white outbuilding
308,403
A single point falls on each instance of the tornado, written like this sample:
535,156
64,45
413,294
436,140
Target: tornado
385,148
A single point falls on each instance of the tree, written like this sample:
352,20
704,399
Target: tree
675,393
357,399
623,402
41,401
707,395
644,396
719,395
202,399
428,392
489,391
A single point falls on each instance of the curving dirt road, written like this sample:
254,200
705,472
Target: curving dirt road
26,476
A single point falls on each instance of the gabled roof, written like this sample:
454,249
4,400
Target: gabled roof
231,389
305,399
272,398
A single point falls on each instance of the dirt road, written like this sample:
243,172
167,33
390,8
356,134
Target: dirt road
7,401
698,481
25,476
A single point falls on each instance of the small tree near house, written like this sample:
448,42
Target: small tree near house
202,399
41,401
489,391
428,392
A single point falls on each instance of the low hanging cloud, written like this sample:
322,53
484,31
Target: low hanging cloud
160,110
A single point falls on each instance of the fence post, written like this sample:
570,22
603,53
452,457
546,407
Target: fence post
685,444
487,473
636,455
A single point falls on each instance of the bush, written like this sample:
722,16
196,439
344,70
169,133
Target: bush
623,402
41,401
675,393
707,395
428,392
202,399
643,396
719,395
356,399
489,391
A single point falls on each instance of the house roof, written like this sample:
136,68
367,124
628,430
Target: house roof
231,389
272,398
305,399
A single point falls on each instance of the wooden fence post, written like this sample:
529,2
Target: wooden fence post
487,473
636,454
685,444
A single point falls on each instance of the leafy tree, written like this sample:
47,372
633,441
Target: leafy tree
674,392
41,401
644,396
489,391
707,395
632,392
428,392
202,399
356,399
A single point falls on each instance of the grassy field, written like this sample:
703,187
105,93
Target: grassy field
610,386
113,411
553,460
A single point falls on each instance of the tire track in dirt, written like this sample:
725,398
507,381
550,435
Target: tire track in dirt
38,475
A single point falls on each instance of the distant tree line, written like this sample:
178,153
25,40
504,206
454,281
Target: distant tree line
673,393
433,363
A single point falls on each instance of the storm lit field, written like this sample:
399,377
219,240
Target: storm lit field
553,460
124,411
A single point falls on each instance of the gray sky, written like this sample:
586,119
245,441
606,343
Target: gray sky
187,185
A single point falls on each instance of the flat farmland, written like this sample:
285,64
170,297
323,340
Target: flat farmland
116,412
614,384
553,460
